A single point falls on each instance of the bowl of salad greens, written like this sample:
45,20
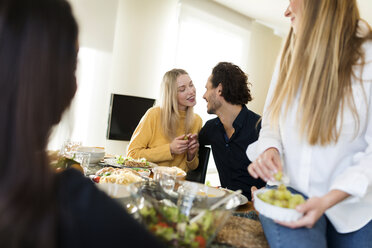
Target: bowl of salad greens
181,218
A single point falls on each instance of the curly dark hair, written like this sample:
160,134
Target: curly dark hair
234,83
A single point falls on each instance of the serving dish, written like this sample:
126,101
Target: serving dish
274,212
96,153
171,215
118,162
241,198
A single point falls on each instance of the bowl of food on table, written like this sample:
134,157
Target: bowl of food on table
97,154
172,170
139,163
120,161
182,217
114,182
121,176
60,163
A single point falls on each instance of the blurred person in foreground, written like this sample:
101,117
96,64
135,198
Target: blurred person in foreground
318,119
168,134
234,128
39,208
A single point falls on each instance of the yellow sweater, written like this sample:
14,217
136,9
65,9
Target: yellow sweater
149,141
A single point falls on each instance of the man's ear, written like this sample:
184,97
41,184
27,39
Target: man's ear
219,89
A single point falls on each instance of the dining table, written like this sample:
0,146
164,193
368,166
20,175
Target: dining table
242,230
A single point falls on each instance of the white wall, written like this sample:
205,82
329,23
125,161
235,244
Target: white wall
126,46
97,22
144,48
264,50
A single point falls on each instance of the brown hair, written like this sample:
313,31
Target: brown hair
234,83
318,63
37,66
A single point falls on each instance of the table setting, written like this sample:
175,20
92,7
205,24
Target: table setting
191,214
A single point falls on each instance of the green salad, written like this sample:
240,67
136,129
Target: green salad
174,228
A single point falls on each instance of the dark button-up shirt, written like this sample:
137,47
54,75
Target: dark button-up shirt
230,154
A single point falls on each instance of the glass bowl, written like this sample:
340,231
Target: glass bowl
182,217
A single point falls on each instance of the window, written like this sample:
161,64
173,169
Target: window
205,39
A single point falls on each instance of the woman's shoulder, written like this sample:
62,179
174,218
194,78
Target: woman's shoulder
87,213
72,176
154,110
153,113
72,185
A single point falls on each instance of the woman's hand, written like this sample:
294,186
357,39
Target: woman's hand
314,208
179,145
253,189
266,165
193,146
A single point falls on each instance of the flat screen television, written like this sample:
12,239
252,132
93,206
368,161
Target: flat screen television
125,114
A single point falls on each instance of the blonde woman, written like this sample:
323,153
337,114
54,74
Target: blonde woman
318,119
167,134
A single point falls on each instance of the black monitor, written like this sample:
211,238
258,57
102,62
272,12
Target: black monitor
125,114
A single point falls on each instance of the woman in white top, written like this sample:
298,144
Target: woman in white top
318,121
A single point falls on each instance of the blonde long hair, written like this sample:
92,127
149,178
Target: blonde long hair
317,63
168,102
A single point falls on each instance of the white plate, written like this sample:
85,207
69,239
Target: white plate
96,153
211,192
114,162
242,198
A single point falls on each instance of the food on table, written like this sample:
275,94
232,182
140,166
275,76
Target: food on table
173,169
142,171
120,160
121,176
174,228
64,163
131,162
96,179
281,197
105,170
205,194
180,172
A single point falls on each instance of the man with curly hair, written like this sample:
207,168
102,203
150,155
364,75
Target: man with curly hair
234,128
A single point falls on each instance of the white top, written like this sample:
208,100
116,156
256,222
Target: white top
315,170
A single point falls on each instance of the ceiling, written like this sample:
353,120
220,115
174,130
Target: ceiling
271,12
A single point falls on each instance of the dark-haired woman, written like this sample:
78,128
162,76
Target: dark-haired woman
37,79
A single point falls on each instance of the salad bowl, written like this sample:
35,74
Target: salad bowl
170,215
